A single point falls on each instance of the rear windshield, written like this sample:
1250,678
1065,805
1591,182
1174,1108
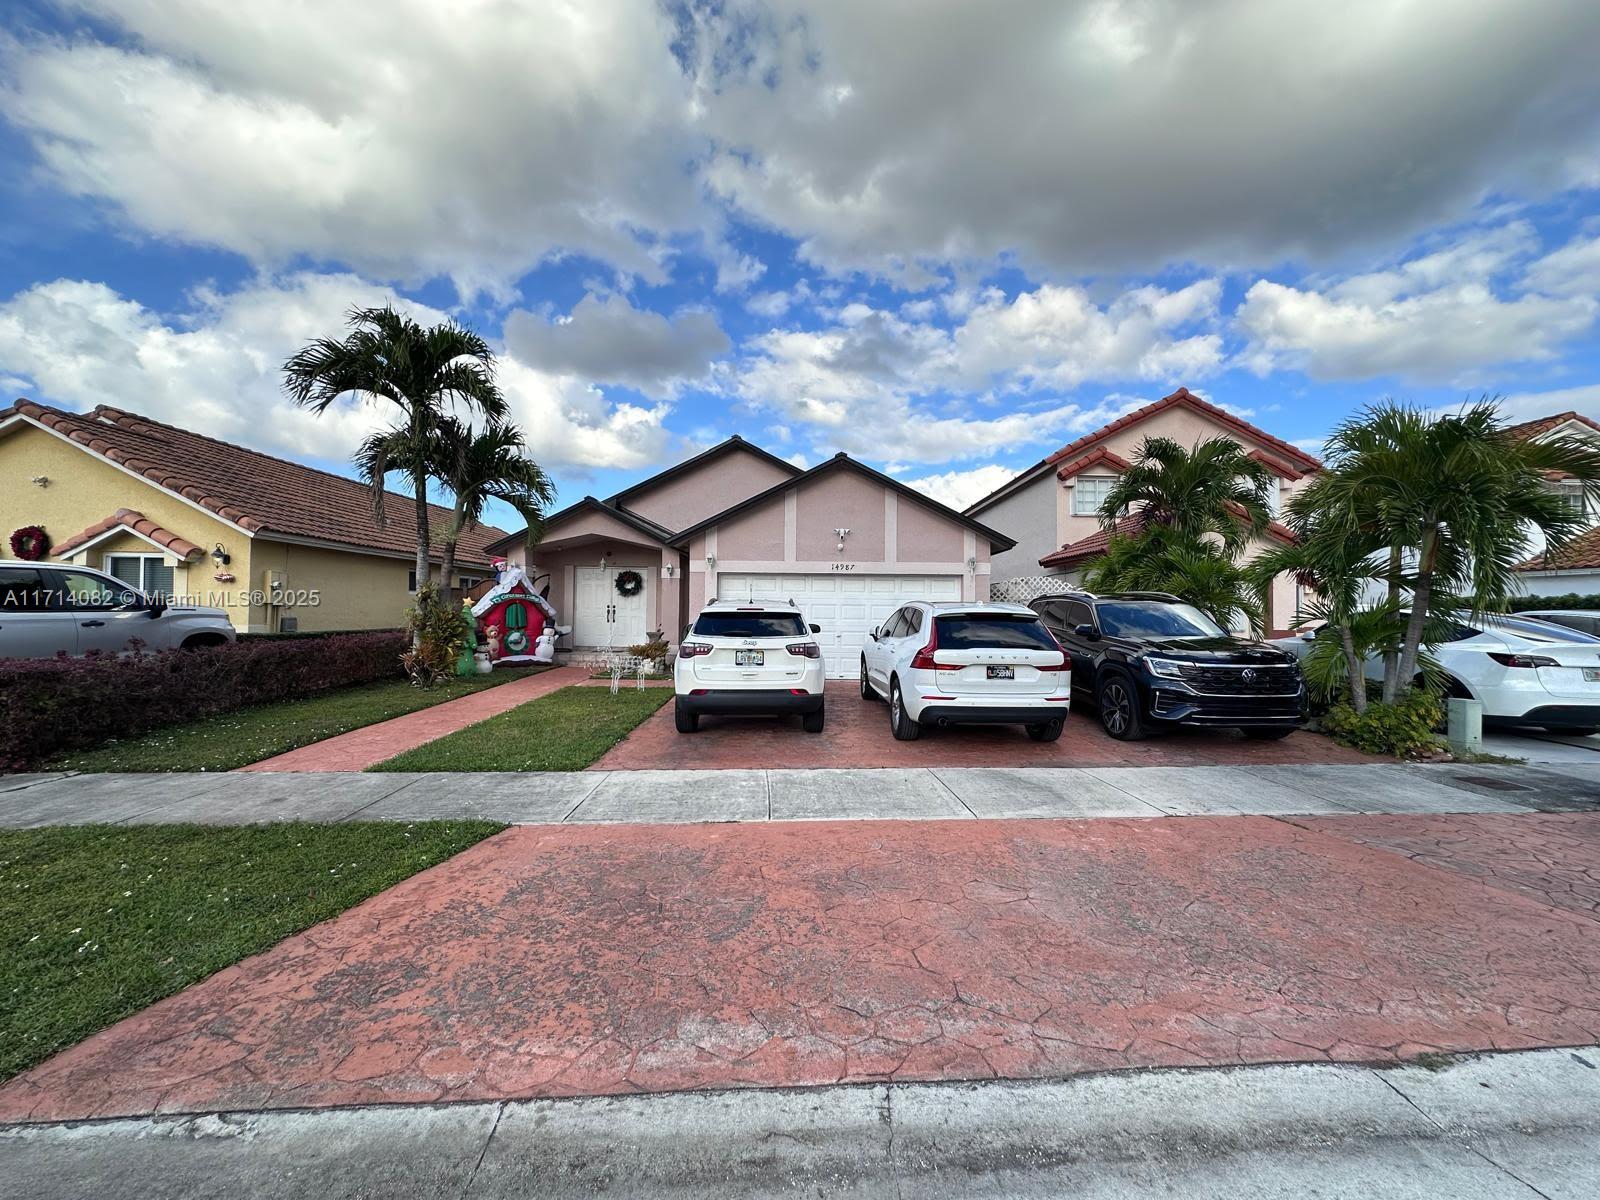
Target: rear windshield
1543,629
750,625
980,631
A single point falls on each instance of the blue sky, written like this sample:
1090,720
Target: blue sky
943,237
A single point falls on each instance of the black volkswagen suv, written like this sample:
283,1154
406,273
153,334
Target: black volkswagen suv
1147,660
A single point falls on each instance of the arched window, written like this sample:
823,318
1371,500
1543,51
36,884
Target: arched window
516,616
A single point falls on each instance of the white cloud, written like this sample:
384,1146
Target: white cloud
1435,318
1573,270
609,341
1525,406
961,488
216,369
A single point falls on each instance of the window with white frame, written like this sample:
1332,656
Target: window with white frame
150,573
1572,493
1089,493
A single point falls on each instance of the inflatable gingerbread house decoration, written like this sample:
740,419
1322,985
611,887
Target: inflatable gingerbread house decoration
515,623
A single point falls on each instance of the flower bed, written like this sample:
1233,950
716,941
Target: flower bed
50,706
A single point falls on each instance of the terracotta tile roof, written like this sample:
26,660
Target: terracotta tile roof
1281,469
1184,397
1099,541
127,518
1095,458
1581,553
260,494
1539,425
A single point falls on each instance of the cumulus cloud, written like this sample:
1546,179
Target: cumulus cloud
961,488
1125,134
1573,270
216,369
1434,318
610,341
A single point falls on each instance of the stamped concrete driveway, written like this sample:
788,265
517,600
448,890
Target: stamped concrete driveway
857,735
569,960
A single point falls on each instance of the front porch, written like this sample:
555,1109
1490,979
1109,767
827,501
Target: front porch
589,575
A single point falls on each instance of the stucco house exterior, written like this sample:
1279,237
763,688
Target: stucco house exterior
1052,507
156,505
1576,566
844,542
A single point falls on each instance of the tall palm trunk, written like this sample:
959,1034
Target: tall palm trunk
1391,658
1421,596
1354,672
447,553
419,481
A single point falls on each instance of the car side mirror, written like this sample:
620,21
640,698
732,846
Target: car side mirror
873,634
1086,631
814,628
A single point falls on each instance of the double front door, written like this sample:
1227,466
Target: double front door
603,616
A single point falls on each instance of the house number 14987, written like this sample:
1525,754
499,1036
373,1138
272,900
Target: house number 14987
844,566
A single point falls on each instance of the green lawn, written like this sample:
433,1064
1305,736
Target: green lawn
239,738
99,921
564,731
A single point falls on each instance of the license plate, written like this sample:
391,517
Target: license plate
1002,672
749,658
1591,674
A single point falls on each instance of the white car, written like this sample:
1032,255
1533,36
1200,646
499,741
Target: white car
48,609
952,663
1584,620
1527,672
748,660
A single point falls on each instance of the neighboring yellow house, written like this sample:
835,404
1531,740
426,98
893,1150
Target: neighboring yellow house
161,508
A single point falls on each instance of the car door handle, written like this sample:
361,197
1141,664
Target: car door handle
91,624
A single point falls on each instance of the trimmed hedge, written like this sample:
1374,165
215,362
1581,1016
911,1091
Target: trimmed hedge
52,705
299,636
1563,602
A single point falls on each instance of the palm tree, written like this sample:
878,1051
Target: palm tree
1161,559
1451,499
479,467
1215,489
421,371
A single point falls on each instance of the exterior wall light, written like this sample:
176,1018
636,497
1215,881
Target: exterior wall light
40,481
220,556
711,562
843,533
972,564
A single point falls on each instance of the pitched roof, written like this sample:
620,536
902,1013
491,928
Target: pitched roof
127,518
843,461
1542,425
1096,457
731,444
1581,553
1098,542
633,520
260,494
1183,397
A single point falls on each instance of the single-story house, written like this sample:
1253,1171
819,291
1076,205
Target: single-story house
1053,506
843,541
1576,566
279,545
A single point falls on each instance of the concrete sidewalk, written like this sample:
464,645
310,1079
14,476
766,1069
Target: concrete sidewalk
1511,1125
671,797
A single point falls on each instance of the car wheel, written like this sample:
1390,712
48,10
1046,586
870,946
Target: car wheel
1267,734
868,692
1044,731
1582,731
812,722
1119,709
202,641
686,721
900,722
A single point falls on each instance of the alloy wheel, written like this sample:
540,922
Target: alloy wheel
1115,710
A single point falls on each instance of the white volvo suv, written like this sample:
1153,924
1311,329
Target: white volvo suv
953,663
748,660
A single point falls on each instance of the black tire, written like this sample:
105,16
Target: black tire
868,692
683,719
1045,731
812,722
1264,733
900,722
1119,708
1582,731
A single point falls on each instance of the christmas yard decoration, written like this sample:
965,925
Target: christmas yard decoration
518,624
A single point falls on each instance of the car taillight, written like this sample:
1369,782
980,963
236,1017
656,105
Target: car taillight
693,649
804,649
923,660
1523,660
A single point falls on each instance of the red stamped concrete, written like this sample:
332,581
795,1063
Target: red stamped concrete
362,748
554,960
1553,857
857,735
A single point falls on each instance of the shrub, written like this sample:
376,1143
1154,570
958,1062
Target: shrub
1564,602
439,632
52,705
1403,729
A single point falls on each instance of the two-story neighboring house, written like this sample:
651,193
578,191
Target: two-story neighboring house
1052,508
1576,566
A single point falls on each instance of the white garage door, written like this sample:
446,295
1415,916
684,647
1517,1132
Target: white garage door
846,605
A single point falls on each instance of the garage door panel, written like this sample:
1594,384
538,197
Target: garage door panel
847,607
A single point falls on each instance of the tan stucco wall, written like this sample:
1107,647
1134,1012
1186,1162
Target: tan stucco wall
704,491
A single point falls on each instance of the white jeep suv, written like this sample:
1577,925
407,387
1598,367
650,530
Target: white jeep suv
49,608
748,660
955,663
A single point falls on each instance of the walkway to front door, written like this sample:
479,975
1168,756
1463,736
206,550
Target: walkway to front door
604,616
